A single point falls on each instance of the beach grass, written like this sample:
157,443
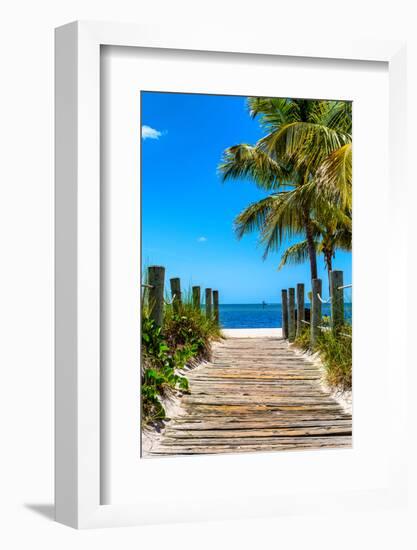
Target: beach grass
335,349
335,352
183,341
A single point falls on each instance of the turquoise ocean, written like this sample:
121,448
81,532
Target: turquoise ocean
262,316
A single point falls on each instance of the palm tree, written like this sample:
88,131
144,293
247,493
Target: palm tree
278,216
328,238
302,135
305,133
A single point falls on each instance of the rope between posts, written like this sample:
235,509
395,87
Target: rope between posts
330,298
327,328
169,303
320,327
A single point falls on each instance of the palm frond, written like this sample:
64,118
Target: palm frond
245,161
317,111
333,179
295,254
284,221
339,116
273,112
253,218
304,143
343,239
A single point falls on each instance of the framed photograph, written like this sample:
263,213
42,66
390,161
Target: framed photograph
227,343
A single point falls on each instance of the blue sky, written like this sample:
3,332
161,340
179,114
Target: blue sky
188,213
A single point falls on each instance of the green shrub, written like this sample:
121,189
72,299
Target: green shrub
302,341
184,338
335,350
190,327
160,367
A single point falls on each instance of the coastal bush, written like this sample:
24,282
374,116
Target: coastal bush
335,351
184,339
189,326
302,340
160,367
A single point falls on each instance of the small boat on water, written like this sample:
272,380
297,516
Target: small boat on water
264,304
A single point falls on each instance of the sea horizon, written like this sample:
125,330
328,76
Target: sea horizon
268,315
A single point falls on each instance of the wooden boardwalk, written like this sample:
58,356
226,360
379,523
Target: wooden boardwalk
255,395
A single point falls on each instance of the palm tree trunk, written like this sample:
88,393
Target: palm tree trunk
310,245
328,254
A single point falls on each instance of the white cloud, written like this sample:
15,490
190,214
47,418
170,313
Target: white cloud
151,133
202,239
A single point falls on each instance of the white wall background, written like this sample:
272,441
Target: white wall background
26,272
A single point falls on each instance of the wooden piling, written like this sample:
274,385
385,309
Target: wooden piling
208,302
156,281
300,308
176,293
291,314
284,307
216,305
315,317
196,297
337,303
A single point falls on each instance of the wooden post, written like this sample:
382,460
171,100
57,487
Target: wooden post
176,293
300,308
315,317
291,314
156,280
208,302
216,305
196,297
336,294
284,307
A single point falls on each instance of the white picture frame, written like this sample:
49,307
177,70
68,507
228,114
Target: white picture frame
78,411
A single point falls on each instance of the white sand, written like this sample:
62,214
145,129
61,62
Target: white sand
252,332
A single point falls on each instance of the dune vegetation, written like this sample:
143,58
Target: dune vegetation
183,340
335,352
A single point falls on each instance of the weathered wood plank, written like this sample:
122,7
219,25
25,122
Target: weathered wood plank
304,444
258,433
257,424
255,395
